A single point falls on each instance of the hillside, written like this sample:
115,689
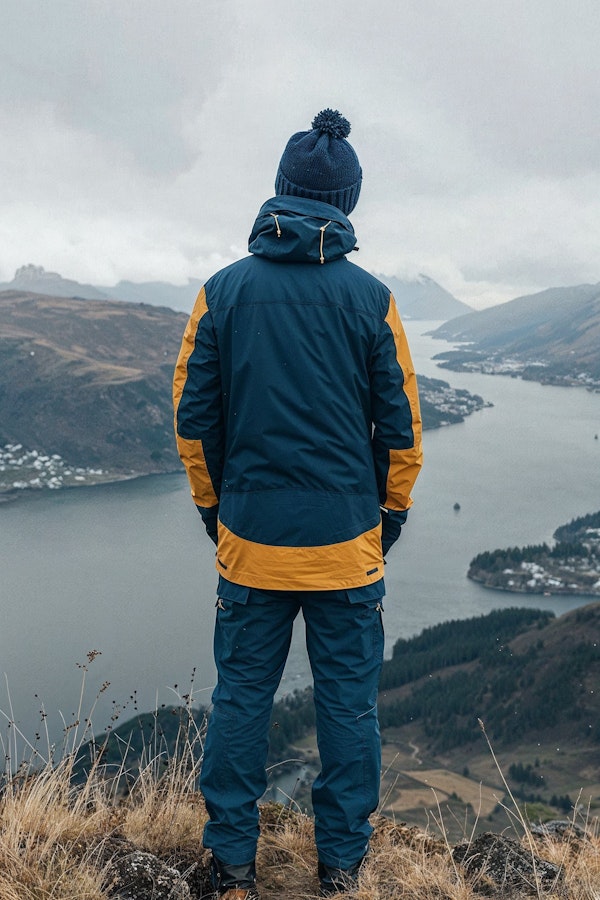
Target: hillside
552,336
69,842
528,675
85,391
533,681
89,381
531,678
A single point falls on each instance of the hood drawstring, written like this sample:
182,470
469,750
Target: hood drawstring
276,224
322,230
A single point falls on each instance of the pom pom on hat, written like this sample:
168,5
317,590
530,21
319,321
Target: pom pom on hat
320,164
332,122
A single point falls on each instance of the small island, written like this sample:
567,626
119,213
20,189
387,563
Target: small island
571,566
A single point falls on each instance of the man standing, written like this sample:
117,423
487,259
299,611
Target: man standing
297,418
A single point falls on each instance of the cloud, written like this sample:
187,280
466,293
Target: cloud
140,139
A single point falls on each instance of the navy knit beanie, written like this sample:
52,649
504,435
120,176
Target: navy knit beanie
320,164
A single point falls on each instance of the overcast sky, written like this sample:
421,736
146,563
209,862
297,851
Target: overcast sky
139,138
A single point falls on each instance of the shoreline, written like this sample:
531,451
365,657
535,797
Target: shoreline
12,495
511,590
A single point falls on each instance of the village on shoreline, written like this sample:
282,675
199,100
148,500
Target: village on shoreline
476,361
571,566
24,469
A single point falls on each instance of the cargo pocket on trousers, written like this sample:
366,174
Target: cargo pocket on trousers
231,593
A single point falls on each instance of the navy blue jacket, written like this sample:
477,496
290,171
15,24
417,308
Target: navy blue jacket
297,413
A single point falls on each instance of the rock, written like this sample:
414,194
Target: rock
400,834
142,876
500,864
132,874
561,829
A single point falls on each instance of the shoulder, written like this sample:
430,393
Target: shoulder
366,278
365,288
224,282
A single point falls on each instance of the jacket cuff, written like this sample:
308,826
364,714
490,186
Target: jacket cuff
210,517
392,521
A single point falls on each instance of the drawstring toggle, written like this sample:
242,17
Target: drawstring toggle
276,224
322,230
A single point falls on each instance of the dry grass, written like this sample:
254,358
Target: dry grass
45,830
52,837
57,839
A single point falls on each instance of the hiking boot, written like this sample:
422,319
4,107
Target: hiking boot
233,882
337,881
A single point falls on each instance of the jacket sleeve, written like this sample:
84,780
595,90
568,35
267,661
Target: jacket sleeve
199,426
396,441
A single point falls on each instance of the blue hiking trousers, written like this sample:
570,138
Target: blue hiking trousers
344,640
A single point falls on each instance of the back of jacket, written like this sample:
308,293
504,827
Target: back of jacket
297,412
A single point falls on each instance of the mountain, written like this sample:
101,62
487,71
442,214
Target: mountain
36,279
424,298
157,293
529,676
557,330
89,380
530,679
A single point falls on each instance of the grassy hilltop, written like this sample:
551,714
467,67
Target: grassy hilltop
58,844
89,841
489,726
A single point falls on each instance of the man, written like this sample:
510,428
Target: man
297,419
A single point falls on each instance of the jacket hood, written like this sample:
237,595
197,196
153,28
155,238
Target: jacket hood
296,229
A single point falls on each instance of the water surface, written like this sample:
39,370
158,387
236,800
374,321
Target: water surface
127,569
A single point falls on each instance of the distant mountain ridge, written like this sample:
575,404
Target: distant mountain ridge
424,298
157,293
421,298
38,280
557,330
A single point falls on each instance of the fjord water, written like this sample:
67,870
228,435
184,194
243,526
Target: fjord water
127,570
